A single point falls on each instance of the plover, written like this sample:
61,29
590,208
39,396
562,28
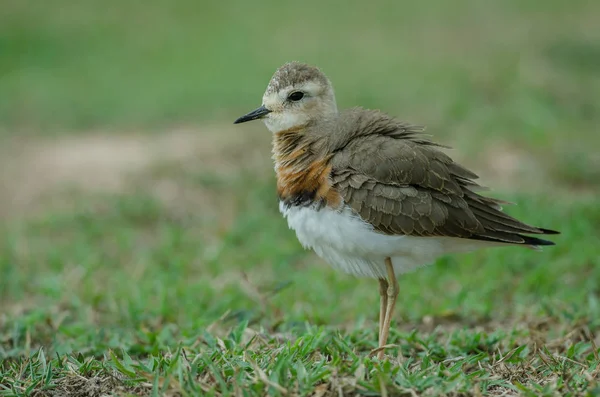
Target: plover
371,195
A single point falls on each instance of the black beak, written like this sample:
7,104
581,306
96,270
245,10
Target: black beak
253,115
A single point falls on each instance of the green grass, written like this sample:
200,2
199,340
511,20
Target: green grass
183,279
126,292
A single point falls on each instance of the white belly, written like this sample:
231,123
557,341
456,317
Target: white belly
348,243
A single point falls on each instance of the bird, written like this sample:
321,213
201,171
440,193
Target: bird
371,195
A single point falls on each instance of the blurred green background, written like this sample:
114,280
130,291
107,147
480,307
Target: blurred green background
129,201
524,68
475,72
135,217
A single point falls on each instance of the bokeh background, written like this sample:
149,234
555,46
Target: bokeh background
130,202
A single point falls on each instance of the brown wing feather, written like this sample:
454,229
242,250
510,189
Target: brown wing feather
402,183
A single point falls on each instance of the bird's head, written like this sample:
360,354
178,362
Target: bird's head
297,95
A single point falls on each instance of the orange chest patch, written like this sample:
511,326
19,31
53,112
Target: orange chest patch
304,185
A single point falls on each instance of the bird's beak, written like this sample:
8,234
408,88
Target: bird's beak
253,115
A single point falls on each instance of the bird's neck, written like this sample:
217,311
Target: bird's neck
302,169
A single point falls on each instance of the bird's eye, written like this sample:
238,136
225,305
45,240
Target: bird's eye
296,96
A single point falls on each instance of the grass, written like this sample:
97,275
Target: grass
125,294
166,269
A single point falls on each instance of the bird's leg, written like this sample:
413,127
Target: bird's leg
392,295
383,287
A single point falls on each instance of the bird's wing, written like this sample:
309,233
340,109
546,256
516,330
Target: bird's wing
402,184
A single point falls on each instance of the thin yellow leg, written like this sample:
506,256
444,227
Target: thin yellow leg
383,287
392,294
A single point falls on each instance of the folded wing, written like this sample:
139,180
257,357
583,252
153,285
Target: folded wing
403,184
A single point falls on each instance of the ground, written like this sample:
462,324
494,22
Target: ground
141,248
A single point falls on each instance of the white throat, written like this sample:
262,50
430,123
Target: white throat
285,121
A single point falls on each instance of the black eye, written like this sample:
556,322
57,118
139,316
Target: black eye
296,96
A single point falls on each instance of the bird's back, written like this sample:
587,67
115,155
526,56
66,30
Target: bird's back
402,183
